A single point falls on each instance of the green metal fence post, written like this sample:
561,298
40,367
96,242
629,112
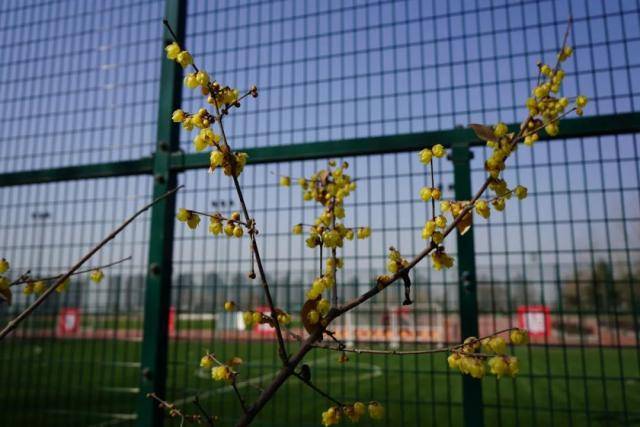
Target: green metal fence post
158,285
461,156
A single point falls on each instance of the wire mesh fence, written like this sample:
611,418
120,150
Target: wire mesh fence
563,261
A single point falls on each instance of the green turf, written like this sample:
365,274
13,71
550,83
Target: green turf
73,382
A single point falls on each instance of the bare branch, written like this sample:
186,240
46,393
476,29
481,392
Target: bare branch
282,350
24,278
318,390
205,414
20,317
341,348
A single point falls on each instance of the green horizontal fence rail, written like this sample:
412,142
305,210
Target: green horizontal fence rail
612,124
156,361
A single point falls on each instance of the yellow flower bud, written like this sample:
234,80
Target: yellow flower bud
184,58
178,116
206,362
285,181
4,265
438,150
173,50
202,78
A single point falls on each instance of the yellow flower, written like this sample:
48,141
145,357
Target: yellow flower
199,143
178,116
297,229
530,139
4,282
441,259
436,193
498,366
581,101
193,221
500,130
331,239
445,206
453,360
228,229
39,287
441,221
438,150
545,70
376,410
519,336
222,373
552,129
514,366
520,192
215,159
173,50
285,181
323,306
331,416
425,156
313,317
238,231
28,288
63,286
203,78
4,265
497,345
257,317
359,408
425,194
191,82
96,275
428,229
229,306
215,227
206,361
183,215
313,241
499,204
482,208
284,318
247,318
364,232
184,58
472,366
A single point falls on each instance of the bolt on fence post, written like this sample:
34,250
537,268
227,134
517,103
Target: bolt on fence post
153,368
461,156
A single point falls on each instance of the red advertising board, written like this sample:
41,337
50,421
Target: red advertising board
536,319
68,321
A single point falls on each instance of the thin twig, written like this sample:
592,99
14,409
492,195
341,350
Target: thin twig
238,395
222,218
207,417
24,314
174,411
44,279
317,390
282,350
340,348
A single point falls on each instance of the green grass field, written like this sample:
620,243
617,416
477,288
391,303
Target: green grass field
71,382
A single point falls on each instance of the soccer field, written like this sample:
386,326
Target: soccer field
94,382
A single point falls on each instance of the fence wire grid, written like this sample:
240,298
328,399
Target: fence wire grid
81,84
